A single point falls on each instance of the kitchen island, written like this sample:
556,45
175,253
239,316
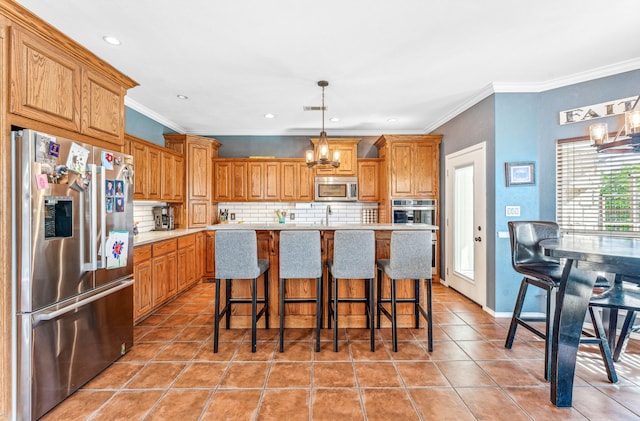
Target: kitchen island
299,315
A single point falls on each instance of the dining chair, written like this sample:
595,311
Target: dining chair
354,254
544,272
236,257
410,259
300,259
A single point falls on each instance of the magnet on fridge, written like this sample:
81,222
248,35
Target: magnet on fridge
108,187
119,204
107,160
109,204
119,188
42,181
77,160
54,149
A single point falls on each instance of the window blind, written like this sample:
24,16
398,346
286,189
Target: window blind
598,193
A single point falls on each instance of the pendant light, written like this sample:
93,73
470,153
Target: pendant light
321,155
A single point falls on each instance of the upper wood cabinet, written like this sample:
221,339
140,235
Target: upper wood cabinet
368,180
51,84
45,82
264,181
296,181
348,148
198,153
159,172
229,180
413,164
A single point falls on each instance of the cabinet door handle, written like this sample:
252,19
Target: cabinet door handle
478,239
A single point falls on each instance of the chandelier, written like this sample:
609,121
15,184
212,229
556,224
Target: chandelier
621,143
320,157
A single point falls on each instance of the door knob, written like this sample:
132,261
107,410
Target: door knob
478,239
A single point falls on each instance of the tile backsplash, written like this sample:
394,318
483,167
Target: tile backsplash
303,213
265,212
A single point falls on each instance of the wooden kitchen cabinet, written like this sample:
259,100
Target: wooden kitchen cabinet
55,86
172,177
143,285
198,153
155,174
348,148
413,165
230,180
201,255
368,180
264,181
163,263
296,181
186,262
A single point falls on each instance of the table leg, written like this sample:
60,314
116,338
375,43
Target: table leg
572,303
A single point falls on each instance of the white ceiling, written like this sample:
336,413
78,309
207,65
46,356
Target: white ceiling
418,61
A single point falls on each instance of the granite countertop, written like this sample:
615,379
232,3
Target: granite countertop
153,236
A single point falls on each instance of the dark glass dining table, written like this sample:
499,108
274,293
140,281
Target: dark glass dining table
615,255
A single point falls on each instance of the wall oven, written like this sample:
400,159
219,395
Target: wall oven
417,211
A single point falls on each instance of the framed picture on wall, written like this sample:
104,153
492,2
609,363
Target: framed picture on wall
520,173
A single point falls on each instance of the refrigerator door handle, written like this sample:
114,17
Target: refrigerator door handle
101,209
50,315
93,223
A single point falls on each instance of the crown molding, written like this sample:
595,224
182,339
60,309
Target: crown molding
485,92
300,132
135,105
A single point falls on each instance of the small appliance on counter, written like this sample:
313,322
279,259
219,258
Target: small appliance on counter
163,218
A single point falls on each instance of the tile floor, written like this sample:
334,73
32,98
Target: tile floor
171,373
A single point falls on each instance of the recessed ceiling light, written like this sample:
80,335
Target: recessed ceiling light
334,119
392,120
269,115
180,96
111,40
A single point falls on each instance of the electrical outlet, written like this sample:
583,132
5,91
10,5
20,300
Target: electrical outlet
512,210
292,216
233,216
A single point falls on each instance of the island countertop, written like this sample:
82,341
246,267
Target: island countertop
153,236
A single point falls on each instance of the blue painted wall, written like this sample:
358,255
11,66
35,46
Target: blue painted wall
139,125
526,128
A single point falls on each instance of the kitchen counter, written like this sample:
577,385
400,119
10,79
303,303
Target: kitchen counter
153,236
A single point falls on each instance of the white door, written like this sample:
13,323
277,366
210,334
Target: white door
465,223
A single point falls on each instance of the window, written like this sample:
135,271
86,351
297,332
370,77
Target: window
597,192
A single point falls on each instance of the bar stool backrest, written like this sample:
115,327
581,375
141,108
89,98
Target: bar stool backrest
300,255
354,254
236,254
525,236
410,255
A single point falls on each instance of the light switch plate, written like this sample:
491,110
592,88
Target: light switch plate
512,210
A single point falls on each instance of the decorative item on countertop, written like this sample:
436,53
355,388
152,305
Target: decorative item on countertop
282,215
223,216
135,228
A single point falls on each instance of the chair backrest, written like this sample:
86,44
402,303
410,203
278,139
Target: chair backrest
410,255
525,236
300,255
354,254
236,254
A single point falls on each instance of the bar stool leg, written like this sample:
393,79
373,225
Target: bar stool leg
416,291
629,321
430,314
379,280
335,315
227,287
265,278
370,306
394,320
254,309
604,345
318,311
282,282
216,317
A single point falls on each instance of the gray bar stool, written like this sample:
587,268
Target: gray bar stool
354,255
410,259
237,258
300,258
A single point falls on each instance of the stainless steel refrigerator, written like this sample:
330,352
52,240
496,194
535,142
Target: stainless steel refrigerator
73,274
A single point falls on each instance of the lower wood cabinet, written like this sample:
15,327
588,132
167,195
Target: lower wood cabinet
164,269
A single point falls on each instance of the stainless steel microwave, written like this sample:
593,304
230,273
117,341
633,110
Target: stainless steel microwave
335,189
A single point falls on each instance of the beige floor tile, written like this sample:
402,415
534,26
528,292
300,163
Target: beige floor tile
440,404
